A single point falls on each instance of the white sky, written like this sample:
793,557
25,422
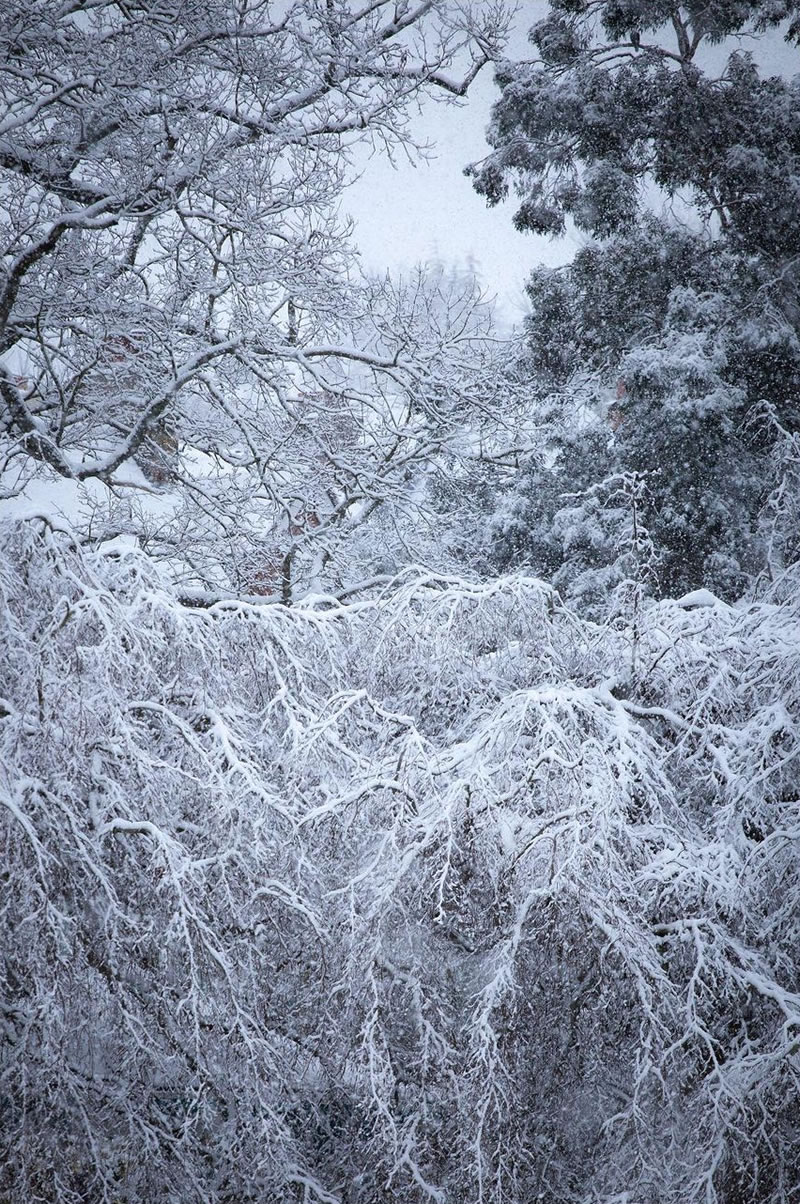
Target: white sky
414,212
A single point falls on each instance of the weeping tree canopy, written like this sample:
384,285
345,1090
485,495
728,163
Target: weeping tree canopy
413,898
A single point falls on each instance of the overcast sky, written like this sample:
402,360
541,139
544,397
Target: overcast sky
414,212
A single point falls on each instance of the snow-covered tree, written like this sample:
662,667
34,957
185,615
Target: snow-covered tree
418,898
619,96
327,878
671,335
184,335
674,398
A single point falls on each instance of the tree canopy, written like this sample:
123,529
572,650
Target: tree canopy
179,300
678,330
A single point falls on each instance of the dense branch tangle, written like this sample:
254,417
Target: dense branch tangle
171,249
395,900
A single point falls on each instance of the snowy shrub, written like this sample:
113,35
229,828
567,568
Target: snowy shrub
416,898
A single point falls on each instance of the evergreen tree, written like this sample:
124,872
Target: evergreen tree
660,341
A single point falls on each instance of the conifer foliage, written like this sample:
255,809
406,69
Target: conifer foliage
674,331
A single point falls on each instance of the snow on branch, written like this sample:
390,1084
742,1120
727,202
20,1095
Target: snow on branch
381,892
